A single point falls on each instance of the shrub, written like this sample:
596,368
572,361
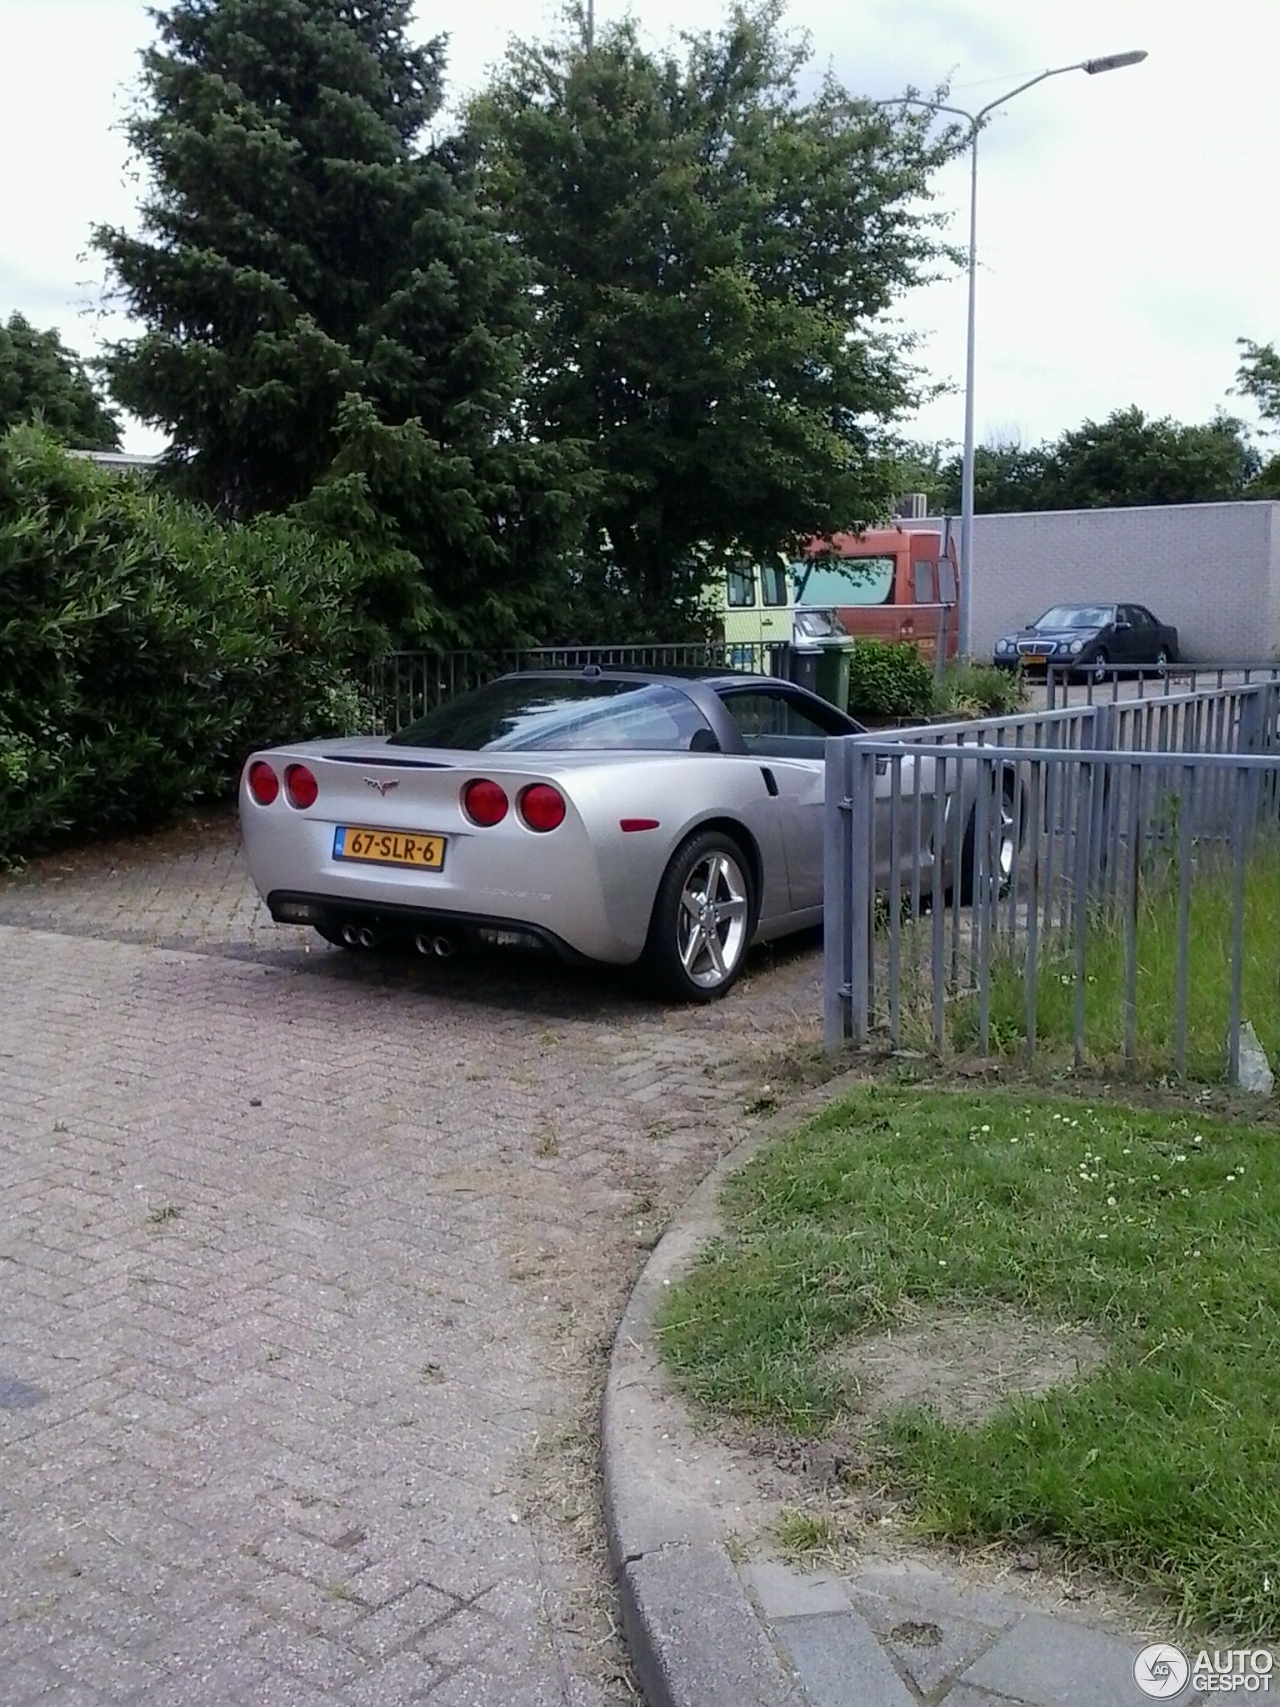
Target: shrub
979,690
144,648
889,680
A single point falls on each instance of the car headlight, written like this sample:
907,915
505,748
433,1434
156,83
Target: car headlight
1077,645
1004,645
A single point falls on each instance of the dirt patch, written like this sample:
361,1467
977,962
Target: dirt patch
964,1364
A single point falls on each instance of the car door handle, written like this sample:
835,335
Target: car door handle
770,781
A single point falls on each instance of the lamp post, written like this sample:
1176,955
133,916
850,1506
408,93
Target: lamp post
1109,62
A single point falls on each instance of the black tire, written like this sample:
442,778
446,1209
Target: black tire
696,895
968,860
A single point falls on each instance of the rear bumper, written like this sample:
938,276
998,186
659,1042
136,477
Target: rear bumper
295,907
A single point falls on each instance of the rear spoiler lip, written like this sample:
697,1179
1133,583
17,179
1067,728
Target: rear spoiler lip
396,763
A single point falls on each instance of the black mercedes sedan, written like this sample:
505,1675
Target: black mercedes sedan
1093,638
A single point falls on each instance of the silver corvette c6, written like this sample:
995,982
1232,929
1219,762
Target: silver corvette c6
631,818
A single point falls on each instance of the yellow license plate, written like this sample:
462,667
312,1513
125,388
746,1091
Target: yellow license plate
1033,658
388,847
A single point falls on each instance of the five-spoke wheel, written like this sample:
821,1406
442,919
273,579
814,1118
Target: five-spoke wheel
703,918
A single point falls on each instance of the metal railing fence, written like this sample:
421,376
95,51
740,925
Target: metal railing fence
980,877
1066,684
406,685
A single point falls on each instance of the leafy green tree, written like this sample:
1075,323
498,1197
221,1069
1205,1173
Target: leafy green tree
924,468
715,258
41,380
1259,377
330,319
1006,476
1127,459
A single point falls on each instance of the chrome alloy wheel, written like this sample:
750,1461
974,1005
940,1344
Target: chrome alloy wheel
1008,845
711,922
1002,843
987,863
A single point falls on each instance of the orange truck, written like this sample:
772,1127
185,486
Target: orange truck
894,583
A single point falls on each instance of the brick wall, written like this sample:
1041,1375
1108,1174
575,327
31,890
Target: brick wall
1211,569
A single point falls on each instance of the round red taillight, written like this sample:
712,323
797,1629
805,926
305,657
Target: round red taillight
264,784
300,786
541,806
484,803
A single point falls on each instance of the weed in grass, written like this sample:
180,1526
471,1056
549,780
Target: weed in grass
765,1100
801,1534
1155,1235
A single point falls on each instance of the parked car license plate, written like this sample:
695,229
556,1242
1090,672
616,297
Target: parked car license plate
1034,658
388,847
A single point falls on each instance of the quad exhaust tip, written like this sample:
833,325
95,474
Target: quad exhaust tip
359,936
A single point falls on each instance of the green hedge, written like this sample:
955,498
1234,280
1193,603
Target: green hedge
889,680
145,647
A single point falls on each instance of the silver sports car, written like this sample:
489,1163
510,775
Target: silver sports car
654,818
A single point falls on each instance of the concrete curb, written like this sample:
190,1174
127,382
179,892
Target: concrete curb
694,1636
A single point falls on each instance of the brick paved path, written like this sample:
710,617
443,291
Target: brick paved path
306,1264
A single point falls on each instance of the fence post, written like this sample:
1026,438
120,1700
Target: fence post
837,878
862,838
1239,838
1100,805
377,667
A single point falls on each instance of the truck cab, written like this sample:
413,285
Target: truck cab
756,606
896,584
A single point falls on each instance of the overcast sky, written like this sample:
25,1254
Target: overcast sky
1127,229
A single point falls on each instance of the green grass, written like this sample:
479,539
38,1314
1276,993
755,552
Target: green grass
806,1535
1159,1232
1208,976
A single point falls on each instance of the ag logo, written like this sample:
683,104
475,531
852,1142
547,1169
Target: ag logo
1161,1671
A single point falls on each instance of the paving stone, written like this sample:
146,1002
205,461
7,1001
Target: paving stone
931,1593
965,1695
928,1646
840,1663
785,1593
472,1687
356,1307
696,1639
1051,1663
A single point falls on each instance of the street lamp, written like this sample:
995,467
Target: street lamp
1109,62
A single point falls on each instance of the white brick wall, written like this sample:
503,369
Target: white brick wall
1211,569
